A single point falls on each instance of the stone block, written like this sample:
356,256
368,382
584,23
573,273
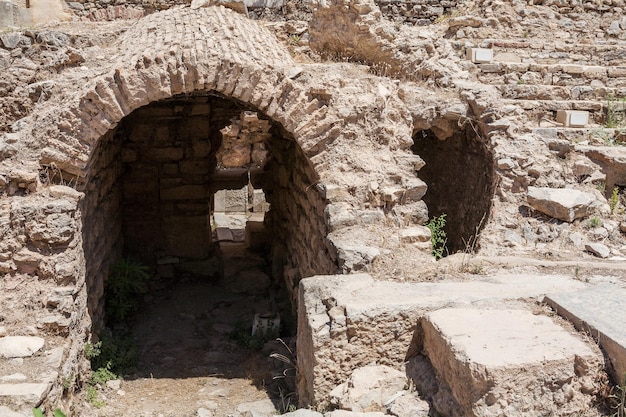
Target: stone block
260,4
572,118
48,11
24,394
20,346
259,204
9,14
507,57
219,201
598,310
479,55
236,200
257,235
561,203
223,234
508,362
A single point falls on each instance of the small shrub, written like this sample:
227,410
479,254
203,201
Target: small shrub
101,376
438,235
614,111
614,200
116,353
92,397
594,222
92,350
126,282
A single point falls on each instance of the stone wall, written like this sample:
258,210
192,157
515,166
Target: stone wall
43,277
102,231
297,216
417,12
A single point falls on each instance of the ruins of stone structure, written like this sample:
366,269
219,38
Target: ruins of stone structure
357,122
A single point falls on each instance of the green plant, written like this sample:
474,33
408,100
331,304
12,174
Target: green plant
614,200
37,412
614,111
102,375
126,282
92,397
92,350
601,186
67,382
294,39
242,335
438,235
594,222
115,352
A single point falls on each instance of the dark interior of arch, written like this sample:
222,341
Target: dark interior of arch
150,197
460,178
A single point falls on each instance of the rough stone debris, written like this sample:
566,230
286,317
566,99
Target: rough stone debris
349,193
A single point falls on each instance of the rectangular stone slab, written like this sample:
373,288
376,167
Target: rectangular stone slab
598,310
507,362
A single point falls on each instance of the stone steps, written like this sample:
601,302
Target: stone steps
538,110
610,53
29,368
523,91
496,72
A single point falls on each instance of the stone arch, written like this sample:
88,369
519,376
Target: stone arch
251,71
233,58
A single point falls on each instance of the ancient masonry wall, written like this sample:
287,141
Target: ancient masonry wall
297,216
102,229
43,270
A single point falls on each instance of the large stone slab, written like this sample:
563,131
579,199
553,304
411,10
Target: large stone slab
508,362
561,203
349,321
21,395
20,346
598,310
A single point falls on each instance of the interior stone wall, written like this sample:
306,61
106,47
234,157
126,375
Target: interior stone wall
102,224
296,216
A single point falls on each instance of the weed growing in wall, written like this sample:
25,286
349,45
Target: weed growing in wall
615,108
614,200
438,235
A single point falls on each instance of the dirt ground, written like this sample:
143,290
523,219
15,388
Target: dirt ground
189,363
